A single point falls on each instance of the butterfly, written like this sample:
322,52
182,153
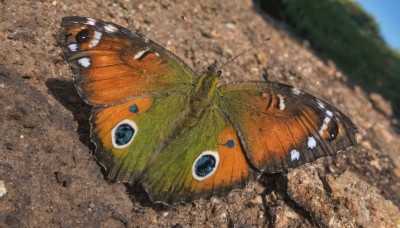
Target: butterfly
182,136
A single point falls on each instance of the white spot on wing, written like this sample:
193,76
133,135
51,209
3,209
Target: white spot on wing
96,39
320,104
130,123
110,28
140,54
329,113
85,62
90,21
281,102
73,47
294,155
311,142
207,152
296,91
324,125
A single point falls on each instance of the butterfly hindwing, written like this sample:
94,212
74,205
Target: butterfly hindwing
202,161
282,127
111,64
127,135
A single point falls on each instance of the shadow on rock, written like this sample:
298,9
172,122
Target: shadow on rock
66,94
276,192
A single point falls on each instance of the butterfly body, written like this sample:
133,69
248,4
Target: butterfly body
183,136
204,91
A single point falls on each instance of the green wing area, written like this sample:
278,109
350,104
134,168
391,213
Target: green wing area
126,135
203,160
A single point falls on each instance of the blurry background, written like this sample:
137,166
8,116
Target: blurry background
361,37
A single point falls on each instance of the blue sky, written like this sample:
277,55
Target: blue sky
387,15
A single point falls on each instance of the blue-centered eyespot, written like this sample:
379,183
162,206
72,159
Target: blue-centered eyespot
123,133
205,165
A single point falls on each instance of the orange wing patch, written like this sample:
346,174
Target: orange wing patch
281,127
232,169
111,64
108,118
270,138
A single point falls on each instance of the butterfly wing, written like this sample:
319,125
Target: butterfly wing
203,160
139,90
112,64
282,127
127,135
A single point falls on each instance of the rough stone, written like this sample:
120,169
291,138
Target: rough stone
358,188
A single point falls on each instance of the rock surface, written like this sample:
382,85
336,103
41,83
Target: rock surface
52,180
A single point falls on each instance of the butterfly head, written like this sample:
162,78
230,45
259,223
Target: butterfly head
213,69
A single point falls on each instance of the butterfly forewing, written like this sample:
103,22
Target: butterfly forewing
282,127
139,90
111,64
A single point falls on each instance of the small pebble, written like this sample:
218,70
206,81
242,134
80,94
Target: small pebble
257,200
396,172
3,190
230,25
381,104
11,145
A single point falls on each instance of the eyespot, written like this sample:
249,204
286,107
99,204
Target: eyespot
82,36
205,165
123,133
329,129
332,131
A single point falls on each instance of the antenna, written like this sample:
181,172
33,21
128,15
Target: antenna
243,52
197,41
